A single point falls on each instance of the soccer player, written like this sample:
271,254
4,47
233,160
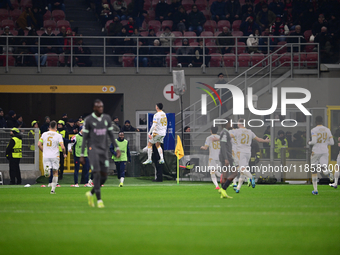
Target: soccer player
97,128
321,138
214,151
337,169
157,133
235,151
49,144
244,138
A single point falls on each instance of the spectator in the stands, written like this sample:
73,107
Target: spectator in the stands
279,29
156,52
290,18
130,26
175,4
265,18
225,40
277,7
247,13
12,120
67,47
258,6
115,27
143,60
253,41
70,127
232,10
56,5
196,20
124,42
3,123
149,40
198,55
49,42
182,54
20,121
62,33
26,20
44,127
106,14
120,9
38,15
136,10
180,20
308,18
325,43
21,54
128,128
6,3
294,39
82,53
115,124
322,22
11,41
249,26
162,11
165,38
334,28
263,42
217,10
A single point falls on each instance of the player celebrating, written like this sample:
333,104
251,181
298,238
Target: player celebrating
97,128
321,138
244,138
157,133
51,141
214,150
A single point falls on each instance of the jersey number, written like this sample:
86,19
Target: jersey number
49,141
321,136
164,122
245,139
216,145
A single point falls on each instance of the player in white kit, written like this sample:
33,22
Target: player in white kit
157,133
244,138
321,138
236,153
49,144
212,142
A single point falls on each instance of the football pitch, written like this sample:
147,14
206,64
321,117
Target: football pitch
165,218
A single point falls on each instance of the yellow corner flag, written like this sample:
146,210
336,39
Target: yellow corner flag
179,152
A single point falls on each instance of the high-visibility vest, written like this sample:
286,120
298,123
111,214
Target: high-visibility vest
278,146
123,151
17,149
63,134
77,146
32,146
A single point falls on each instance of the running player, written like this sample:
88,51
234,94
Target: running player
337,169
157,133
236,153
214,150
244,138
49,144
321,138
97,128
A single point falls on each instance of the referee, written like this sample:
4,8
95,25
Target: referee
97,128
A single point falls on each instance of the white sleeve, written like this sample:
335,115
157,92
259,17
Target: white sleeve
314,140
331,139
206,142
154,124
60,140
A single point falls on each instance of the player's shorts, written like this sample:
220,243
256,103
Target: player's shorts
244,159
213,164
51,163
156,139
318,159
236,157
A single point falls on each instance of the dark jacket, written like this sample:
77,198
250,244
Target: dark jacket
179,16
44,127
162,9
233,8
196,19
217,8
12,122
3,123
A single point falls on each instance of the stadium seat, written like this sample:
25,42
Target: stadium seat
237,33
154,3
309,47
25,4
193,44
151,15
187,4
275,60
207,14
302,59
4,14
8,22
144,33
210,46
210,25
241,47
62,23
15,14
50,23
256,58
201,4
47,15
128,60
177,45
307,34
155,24
216,59
58,15
147,5
279,45
15,4
285,59
52,59
167,23
244,60
229,60
158,34
311,59
236,25
209,35
40,32
108,24
11,61
191,36
223,23
173,61
124,22
178,35
14,32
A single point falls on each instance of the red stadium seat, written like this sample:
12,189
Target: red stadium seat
124,22
52,59
312,59
209,35
15,14
244,60
193,44
108,24
144,33
256,58
216,59
167,23
25,4
187,4
191,36
212,49
47,15
4,14
15,4
8,22
299,58
285,59
50,23
154,3
155,24
237,33
223,23
151,15
173,61
210,25
236,25
275,60
63,23
309,47
307,35
178,36
147,5
241,47
58,15
229,59
14,32
207,14
128,60
201,4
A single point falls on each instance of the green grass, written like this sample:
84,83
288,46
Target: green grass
163,218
